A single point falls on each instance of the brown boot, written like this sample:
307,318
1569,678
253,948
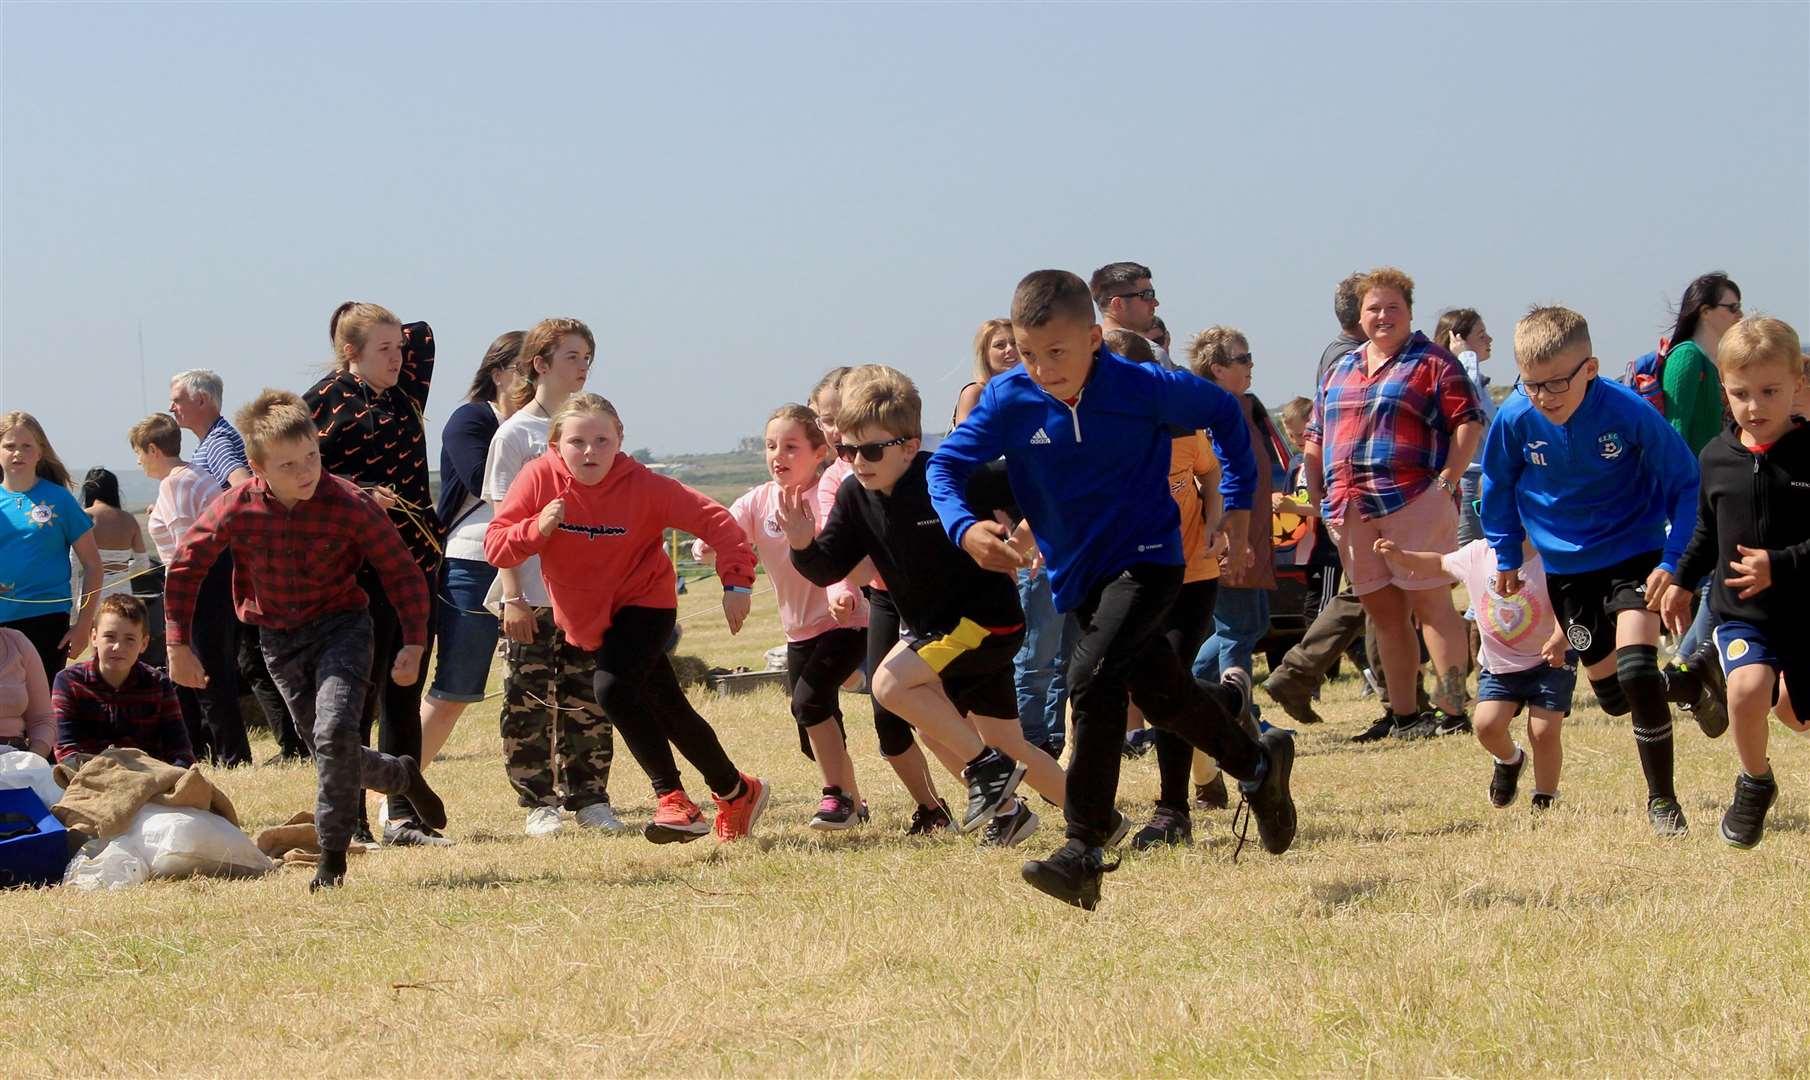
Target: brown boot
1295,700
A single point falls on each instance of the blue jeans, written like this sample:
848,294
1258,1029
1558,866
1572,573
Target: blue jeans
1240,619
1041,666
1470,526
1701,627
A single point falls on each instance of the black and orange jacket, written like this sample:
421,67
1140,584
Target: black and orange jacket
374,437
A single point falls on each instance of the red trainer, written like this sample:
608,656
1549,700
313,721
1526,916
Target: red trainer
677,820
735,817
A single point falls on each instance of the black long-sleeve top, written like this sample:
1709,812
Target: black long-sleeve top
1756,500
934,583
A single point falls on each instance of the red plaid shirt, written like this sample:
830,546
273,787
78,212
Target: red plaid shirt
1384,437
294,566
141,713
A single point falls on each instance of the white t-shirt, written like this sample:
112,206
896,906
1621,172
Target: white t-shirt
1512,628
520,439
466,540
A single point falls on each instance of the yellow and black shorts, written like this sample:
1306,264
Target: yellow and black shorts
975,664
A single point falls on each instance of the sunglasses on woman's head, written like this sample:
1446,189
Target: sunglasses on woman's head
869,451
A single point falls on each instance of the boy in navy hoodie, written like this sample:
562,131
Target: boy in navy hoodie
1753,535
1593,475
1086,435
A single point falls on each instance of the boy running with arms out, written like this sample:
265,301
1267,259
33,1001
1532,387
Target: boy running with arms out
298,536
1593,476
1753,535
1087,440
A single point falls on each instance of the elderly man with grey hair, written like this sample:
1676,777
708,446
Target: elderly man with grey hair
228,648
195,403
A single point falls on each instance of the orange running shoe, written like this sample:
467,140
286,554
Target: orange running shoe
735,817
677,820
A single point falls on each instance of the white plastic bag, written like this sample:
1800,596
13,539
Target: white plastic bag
179,841
24,769
167,842
106,864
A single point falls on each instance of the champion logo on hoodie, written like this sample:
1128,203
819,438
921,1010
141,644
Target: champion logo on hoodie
1042,438
592,532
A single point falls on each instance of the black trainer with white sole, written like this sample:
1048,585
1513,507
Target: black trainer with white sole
1505,780
1744,823
991,784
1010,829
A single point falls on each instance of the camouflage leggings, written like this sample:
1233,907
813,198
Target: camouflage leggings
565,719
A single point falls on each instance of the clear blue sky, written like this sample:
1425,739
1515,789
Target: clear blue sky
738,197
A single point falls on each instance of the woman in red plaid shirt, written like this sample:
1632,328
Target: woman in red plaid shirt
1394,426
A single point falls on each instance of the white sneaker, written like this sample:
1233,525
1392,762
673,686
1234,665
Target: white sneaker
600,816
543,821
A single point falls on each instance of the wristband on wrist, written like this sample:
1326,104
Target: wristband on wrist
515,600
737,589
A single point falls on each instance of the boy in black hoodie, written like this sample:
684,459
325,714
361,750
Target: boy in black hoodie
1753,535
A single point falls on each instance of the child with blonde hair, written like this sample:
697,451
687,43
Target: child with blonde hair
598,519
43,524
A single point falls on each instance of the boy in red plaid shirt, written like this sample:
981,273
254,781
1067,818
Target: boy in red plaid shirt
298,536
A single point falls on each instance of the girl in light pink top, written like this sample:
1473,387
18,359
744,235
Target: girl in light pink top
822,649
26,722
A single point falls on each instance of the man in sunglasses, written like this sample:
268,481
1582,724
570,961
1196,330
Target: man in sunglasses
1086,439
1127,301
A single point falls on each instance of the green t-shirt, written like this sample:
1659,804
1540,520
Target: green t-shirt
1693,395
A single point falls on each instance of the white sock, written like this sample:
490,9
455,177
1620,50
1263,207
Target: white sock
1520,755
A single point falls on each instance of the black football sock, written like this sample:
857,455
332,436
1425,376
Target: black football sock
1637,668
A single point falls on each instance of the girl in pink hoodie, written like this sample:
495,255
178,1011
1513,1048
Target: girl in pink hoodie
598,518
824,645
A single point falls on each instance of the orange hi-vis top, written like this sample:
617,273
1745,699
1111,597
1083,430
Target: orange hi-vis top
610,551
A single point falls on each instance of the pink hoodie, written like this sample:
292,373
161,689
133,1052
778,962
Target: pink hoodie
804,609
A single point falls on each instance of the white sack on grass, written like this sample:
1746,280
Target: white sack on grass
168,842
24,769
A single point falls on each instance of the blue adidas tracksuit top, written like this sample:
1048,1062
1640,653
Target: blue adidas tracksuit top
1593,492
1094,478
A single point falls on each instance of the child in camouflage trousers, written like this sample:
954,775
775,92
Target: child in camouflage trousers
550,708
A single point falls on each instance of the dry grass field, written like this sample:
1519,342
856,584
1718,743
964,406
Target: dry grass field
1413,930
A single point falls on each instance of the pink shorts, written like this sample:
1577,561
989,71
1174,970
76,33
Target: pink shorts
1428,523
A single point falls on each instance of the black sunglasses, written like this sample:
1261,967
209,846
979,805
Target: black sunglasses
1141,294
1555,387
869,451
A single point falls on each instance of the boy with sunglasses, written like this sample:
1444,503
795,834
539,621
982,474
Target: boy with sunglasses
1607,493
951,677
1087,440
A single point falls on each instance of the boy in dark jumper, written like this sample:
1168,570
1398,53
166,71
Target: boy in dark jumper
298,536
1087,440
1753,535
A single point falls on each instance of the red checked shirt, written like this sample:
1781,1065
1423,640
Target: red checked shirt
1385,436
295,565
141,713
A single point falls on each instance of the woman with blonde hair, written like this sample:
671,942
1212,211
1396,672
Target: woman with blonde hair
43,524
995,353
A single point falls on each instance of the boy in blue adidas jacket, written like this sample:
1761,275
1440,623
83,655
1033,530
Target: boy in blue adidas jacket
1086,436
1593,476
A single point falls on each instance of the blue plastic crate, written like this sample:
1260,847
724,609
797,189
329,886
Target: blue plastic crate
36,858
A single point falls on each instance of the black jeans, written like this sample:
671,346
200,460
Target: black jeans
254,672
641,695
44,632
1123,656
215,639
395,710
1190,621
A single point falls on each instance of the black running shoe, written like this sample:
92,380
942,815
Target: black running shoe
1424,726
1212,794
1271,802
1745,821
1445,723
1666,817
926,820
1008,830
1506,780
1377,731
1166,826
990,788
1542,801
1711,706
1071,874
413,834
429,810
1138,743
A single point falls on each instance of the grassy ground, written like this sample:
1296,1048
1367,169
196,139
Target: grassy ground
1412,930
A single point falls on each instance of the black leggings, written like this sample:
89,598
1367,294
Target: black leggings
44,632
640,694
1187,626
882,635
394,709
815,672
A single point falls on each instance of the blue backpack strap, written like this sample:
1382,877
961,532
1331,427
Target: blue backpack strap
1646,377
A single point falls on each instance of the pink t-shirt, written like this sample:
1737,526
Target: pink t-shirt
804,608
827,486
1512,628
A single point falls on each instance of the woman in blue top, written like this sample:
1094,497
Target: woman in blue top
467,632
40,523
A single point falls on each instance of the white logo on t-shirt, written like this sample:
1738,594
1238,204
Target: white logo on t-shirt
1042,438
